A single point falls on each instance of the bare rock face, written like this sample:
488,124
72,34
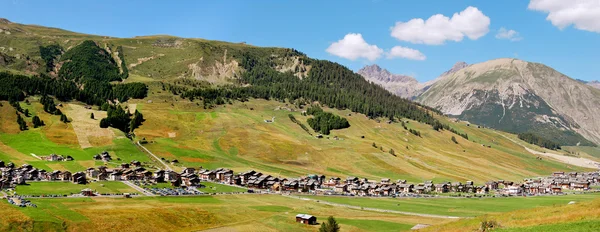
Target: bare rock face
401,85
519,96
377,74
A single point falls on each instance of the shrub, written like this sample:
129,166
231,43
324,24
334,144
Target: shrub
488,225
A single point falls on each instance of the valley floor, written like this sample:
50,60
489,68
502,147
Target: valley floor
271,212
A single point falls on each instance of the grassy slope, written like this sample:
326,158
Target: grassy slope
56,137
237,137
582,216
587,152
233,212
150,61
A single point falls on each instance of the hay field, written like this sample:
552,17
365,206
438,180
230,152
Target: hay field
460,207
221,213
88,131
581,216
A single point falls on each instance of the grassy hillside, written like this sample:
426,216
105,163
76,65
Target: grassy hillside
236,136
157,57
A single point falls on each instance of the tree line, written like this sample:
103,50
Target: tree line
15,87
537,140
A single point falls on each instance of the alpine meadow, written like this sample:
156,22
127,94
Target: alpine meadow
108,130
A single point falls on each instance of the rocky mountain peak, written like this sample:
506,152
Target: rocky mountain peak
458,66
379,75
4,21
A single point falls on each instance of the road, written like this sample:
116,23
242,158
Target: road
167,167
375,209
139,189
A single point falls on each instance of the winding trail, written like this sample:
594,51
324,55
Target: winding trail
377,210
167,167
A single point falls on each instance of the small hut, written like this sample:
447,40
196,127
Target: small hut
306,219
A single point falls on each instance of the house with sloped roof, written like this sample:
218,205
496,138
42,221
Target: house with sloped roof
306,219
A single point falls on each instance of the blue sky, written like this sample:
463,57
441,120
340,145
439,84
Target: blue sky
562,34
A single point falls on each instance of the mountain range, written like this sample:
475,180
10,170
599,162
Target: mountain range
508,94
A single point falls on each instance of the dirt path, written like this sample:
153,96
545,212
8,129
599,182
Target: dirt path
34,155
377,210
138,188
167,167
144,59
577,161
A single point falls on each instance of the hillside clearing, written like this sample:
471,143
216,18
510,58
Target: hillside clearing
86,128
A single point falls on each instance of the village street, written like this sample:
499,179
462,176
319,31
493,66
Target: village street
167,167
141,190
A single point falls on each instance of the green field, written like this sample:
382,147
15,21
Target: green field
241,212
462,207
67,188
220,188
211,187
581,216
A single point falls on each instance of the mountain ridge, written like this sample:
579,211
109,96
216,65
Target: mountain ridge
484,92
543,96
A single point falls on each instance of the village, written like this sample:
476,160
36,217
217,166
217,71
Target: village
189,182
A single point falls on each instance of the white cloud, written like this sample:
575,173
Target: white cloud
353,46
511,35
436,30
583,14
407,53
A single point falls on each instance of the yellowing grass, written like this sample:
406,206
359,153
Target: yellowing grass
581,211
244,212
236,136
